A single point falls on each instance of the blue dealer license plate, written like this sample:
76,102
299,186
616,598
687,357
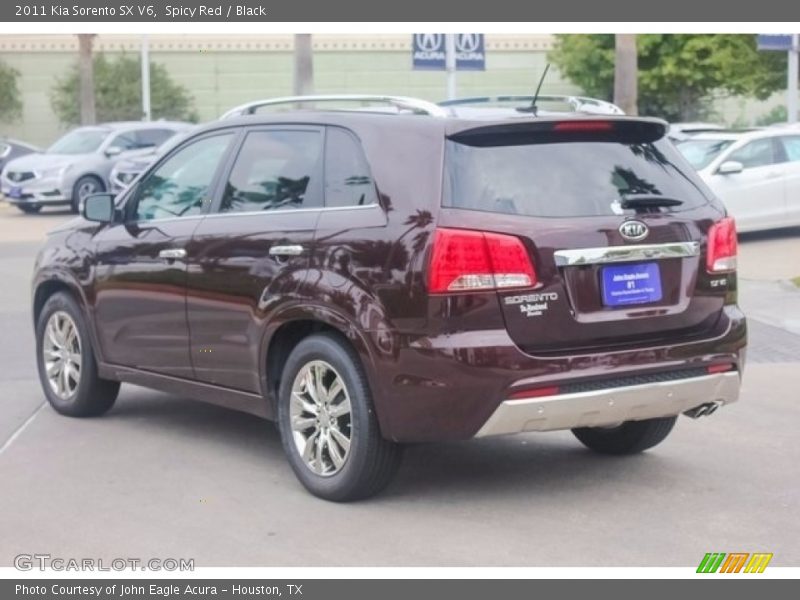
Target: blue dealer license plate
15,192
631,284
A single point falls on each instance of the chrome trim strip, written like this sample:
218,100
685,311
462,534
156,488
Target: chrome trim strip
614,254
611,406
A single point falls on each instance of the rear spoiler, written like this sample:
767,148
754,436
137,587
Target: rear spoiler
625,130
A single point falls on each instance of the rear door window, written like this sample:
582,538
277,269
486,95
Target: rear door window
791,147
566,179
348,181
150,138
276,170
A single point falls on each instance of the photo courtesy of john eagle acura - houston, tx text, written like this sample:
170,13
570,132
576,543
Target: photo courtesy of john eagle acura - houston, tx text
490,271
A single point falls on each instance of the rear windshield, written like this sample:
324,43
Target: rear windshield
566,179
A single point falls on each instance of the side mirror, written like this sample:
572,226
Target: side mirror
99,207
113,151
729,167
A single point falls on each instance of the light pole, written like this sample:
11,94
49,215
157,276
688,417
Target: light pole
791,99
145,79
450,64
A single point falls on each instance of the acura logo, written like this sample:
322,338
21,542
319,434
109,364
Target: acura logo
468,42
429,42
633,231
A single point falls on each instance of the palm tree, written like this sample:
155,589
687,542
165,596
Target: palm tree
303,65
625,73
86,78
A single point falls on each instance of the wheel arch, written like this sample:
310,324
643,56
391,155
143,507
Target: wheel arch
300,323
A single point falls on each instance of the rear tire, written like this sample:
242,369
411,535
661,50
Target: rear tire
66,362
331,437
29,209
629,438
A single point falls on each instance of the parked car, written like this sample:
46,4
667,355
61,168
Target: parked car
369,280
78,164
126,170
683,131
11,149
756,174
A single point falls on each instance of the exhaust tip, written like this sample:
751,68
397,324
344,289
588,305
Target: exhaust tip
703,410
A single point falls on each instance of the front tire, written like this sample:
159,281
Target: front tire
328,425
85,186
629,438
66,362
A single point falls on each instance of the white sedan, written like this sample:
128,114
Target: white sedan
756,174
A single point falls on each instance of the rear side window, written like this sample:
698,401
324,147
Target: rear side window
276,170
566,179
348,181
758,153
791,147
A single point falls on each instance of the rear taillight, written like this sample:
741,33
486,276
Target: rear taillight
465,260
722,246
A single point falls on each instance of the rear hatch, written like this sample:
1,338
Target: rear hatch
615,224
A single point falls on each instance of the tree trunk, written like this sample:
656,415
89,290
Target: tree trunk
625,73
86,74
303,65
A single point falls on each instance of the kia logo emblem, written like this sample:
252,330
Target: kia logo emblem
633,231
429,42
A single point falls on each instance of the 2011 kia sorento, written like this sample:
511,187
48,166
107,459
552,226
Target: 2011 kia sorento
369,279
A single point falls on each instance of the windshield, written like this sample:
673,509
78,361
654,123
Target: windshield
566,179
701,153
79,141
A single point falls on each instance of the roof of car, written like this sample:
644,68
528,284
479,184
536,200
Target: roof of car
448,125
117,125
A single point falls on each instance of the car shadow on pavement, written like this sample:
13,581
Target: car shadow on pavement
527,465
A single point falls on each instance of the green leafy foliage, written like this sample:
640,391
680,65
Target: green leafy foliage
678,74
118,93
10,102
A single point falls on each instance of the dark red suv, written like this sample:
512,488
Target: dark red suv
369,279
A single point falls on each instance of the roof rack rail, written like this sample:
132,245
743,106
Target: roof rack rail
577,103
414,105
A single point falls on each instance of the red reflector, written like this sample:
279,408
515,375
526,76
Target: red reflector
583,126
719,368
534,393
722,246
463,260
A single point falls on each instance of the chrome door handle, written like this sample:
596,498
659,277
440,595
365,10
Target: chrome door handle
172,253
286,251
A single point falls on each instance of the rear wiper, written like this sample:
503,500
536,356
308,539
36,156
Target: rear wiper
647,201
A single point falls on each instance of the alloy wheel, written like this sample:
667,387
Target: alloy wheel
320,414
61,351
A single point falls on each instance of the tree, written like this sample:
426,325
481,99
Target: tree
678,74
303,65
10,102
118,92
86,79
625,73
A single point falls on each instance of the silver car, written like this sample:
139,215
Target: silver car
79,163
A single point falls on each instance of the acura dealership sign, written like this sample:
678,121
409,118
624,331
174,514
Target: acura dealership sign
428,51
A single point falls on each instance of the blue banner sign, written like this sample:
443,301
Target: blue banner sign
428,51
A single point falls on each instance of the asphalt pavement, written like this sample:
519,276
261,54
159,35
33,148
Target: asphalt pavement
161,476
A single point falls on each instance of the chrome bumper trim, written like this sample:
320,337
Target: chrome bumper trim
611,406
613,254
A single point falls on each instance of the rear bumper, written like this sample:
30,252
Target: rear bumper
611,406
460,385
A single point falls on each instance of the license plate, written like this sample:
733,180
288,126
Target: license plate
638,283
15,192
